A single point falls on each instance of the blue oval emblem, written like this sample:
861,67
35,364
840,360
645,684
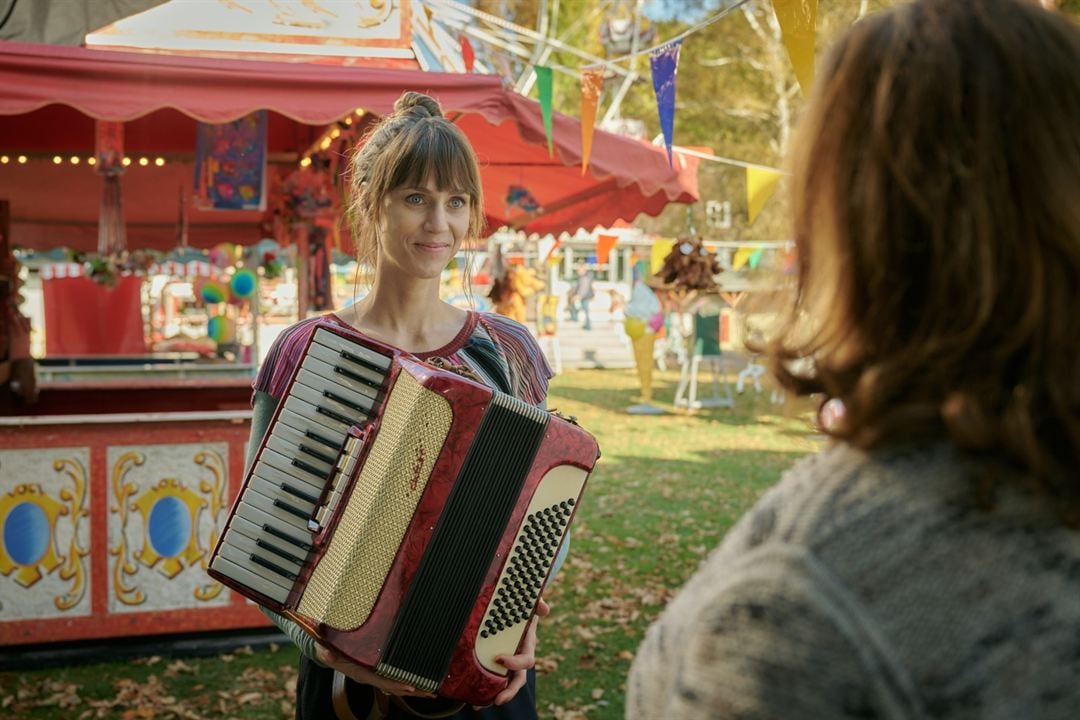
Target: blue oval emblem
169,527
26,533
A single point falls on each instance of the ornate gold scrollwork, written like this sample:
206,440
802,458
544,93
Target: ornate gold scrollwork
124,567
216,490
74,568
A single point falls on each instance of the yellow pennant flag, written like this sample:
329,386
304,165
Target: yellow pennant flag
592,81
740,258
660,249
760,184
798,19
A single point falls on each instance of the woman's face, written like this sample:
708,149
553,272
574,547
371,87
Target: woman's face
422,228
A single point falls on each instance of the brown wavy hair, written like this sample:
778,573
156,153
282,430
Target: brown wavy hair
406,147
937,227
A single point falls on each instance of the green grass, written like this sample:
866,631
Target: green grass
664,493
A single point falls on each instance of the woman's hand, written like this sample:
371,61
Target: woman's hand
358,673
519,664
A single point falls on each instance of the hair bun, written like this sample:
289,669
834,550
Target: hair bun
417,103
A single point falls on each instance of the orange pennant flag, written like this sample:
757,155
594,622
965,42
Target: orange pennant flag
604,243
592,80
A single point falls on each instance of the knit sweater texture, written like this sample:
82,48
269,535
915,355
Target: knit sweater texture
874,586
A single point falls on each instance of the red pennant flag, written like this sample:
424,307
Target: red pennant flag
467,53
604,243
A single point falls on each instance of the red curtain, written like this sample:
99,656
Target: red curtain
83,317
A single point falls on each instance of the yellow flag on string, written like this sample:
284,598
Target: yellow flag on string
760,184
660,249
798,20
592,81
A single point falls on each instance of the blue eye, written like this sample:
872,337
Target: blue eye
458,203
415,199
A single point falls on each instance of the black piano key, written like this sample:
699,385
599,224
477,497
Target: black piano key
309,468
322,439
306,547
273,567
297,492
358,378
333,415
343,401
360,361
279,552
292,509
308,450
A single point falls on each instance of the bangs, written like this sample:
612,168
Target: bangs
431,149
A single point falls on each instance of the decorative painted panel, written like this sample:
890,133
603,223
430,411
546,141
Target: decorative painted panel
44,533
167,505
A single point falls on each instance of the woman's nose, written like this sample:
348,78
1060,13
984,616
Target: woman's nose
436,220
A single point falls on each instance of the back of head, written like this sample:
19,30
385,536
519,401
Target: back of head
938,235
407,147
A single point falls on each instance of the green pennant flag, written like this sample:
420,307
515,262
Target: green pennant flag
543,86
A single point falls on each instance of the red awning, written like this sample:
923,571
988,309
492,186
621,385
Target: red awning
158,95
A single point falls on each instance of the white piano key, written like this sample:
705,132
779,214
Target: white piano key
284,463
345,415
296,438
249,579
276,476
336,342
347,395
305,409
256,532
258,516
243,559
245,544
326,369
266,504
303,424
276,492
292,451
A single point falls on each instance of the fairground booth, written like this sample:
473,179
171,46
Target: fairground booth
156,196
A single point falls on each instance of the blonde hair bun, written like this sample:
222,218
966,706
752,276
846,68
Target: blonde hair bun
417,103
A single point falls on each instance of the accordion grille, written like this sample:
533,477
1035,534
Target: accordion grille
346,582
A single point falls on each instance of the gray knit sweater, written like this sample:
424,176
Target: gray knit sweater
871,586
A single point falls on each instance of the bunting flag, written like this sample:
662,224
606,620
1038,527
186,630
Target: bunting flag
660,249
543,86
741,258
592,80
664,63
604,243
798,19
760,184
468,55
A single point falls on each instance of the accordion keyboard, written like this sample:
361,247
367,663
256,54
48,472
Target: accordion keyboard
338,386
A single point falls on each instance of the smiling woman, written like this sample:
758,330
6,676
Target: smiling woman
416,197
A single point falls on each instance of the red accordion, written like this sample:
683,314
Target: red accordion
404,515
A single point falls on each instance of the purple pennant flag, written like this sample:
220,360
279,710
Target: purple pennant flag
664,63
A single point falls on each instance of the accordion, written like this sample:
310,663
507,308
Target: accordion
404,515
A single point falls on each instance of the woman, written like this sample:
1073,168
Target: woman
416,195
926,564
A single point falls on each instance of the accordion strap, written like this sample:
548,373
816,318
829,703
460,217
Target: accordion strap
382,703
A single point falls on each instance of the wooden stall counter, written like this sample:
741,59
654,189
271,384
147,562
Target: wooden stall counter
113,491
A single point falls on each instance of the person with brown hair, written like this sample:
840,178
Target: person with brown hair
927,562
416,197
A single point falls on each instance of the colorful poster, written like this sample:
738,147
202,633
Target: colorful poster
230,164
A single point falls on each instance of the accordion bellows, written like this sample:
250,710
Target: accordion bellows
343,587
404,515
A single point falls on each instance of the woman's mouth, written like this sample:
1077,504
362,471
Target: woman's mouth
431,247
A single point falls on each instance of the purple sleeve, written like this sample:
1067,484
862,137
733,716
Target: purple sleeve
281,361
529,369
